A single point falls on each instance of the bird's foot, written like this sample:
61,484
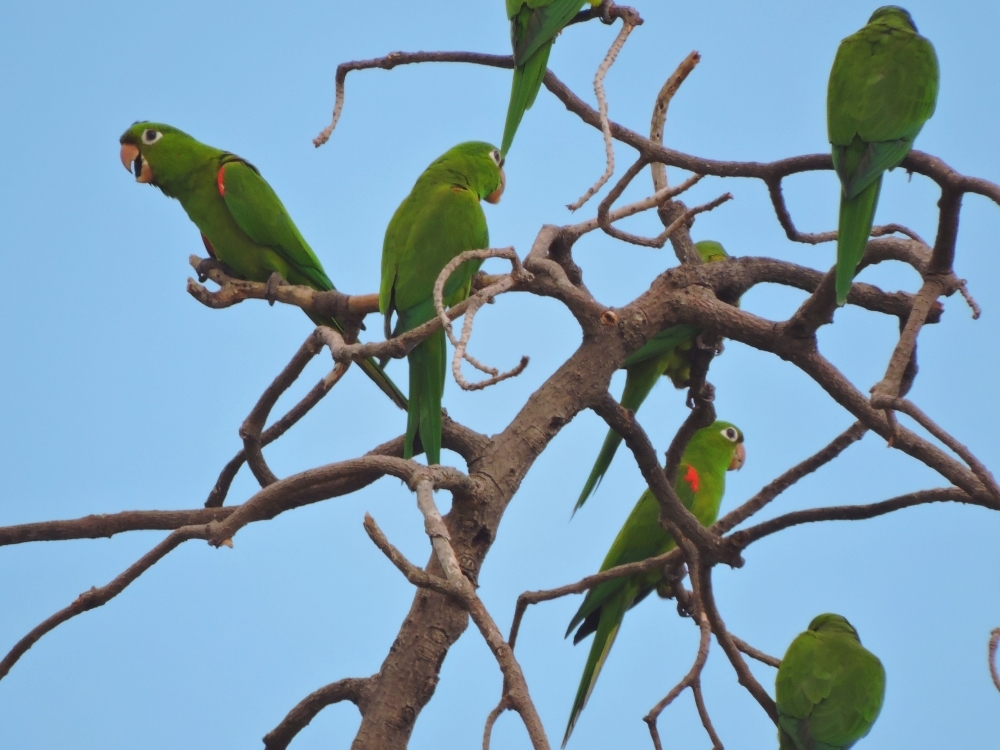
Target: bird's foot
271,287
211,264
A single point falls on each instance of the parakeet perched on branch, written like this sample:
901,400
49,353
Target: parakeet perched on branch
534,25
440,219
883,88
241,219
829,688
668,353
701,482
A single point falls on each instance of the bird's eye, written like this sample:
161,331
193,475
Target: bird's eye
497,157
151,136
731,434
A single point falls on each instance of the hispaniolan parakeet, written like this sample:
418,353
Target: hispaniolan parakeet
883,88
440,219
668,353
241,219
534,25
829,688
701,482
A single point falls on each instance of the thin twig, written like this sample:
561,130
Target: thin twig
491,719
822,457
221,488
689,680
602,107
575,231
585,584
755,653
663,99
517,275
97,597
743,673
353,689
992,656
745,537
983,474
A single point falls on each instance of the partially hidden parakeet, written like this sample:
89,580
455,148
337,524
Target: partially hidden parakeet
668,353
829,688
440,219
534,25
883,88
701,482
242,221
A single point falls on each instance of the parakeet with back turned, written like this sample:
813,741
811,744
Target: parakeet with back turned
668,353
701,482
883,88
440,219
829,688
241,219
534,25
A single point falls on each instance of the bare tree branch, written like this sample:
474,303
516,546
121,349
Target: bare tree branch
353,689
97,597
691,680
822,457
992,656
660,107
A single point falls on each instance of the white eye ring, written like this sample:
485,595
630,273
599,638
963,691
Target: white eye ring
731,434
497,157
151,136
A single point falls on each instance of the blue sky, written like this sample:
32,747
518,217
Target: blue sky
121,392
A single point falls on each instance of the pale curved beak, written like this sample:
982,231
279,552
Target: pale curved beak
495,196
132,161
739,458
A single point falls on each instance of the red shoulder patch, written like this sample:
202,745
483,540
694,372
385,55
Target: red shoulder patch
692,478
208,246
220,180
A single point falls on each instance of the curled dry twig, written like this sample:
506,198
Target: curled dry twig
517,274
602,107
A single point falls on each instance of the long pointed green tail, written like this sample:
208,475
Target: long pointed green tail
611,618
638,383
856,218
427,368
523,90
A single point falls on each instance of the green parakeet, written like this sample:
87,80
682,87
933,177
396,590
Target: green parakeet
701,482
668,353
883,88
440,219
829,688
241,219
534,25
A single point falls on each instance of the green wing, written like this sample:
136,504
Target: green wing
259,212
433,225
535,23
883,88
640,538
829,690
